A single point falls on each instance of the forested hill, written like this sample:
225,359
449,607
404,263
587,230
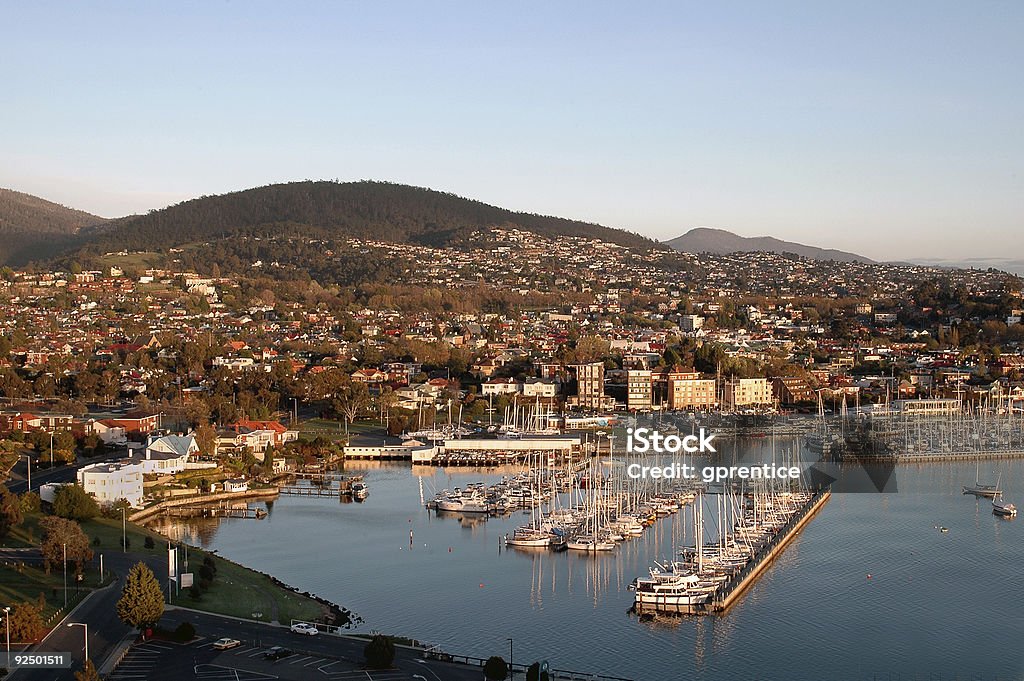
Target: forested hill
367,210
33,227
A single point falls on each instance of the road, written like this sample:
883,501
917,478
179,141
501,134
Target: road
43,473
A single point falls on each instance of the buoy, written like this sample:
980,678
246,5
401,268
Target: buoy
869,575
449,549
481,586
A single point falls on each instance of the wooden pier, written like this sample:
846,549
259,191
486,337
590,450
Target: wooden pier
735,587
216,512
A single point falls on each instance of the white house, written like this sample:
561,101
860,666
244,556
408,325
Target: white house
109,482
167,454
236,485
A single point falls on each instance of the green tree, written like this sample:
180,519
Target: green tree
62,537
74,503
87,672
496,668
142,599
10,511
379,652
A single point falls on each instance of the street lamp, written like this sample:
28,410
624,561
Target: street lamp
65,575
124,532
29,460
51,449
86,627
511,673
7,622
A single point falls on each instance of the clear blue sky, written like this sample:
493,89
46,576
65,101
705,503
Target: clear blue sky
891,129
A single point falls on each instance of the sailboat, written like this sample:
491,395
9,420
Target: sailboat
980,490
1003,508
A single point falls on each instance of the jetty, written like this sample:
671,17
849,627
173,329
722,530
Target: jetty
734,588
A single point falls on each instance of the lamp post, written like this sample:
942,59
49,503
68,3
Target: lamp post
65,575
511,673
51,449
29,460
7,622
86,627
124,532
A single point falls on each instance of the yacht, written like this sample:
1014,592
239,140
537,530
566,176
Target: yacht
589,543
1003,508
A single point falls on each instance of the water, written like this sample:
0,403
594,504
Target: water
935,603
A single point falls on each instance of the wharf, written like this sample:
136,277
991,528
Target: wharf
735,587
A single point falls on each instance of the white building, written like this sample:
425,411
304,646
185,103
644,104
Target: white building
167,455
691,322
747,392
110,482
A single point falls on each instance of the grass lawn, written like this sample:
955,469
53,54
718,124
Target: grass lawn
21,582
241,592
107,530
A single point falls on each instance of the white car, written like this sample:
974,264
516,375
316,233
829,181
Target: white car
306,629
226,643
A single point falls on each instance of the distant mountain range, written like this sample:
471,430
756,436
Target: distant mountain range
32,227
719,241
365,210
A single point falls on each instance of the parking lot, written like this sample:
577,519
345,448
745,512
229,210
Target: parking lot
158,660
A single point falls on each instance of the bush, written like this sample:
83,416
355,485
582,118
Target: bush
496,668
379,652
149,542
195,592
184,632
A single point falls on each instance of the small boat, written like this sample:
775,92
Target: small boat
1003,508
981,490
360,490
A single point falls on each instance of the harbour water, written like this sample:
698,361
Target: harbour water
870,589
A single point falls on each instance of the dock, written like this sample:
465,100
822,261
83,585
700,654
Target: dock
734,588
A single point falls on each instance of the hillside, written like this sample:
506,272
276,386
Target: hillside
719,241
368,210
32,227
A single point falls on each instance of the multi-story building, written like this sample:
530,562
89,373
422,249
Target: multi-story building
747,392
111,482
589,384
690,323
638,389
792,390
690,391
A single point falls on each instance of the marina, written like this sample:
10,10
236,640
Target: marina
863,554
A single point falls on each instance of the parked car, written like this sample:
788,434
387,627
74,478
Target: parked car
226,643
277,652
305,629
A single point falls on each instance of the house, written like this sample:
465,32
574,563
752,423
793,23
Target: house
499,386
236,485
279,433
111,482
166,455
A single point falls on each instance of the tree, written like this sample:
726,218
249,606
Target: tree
26,620
87,672
379,652
64,537
142,600
496,668
10,511
74,503
206,439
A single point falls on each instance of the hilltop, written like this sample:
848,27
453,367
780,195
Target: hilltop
33,227
364,210
721,242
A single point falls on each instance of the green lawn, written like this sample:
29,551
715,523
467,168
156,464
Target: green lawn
241,592
107,530
21,582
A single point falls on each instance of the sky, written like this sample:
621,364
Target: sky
895,130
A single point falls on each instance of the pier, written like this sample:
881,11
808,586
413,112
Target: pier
734,588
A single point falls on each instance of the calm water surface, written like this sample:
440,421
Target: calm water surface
935,603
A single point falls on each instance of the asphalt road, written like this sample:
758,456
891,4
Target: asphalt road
43,473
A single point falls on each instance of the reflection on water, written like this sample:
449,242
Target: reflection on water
929,606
